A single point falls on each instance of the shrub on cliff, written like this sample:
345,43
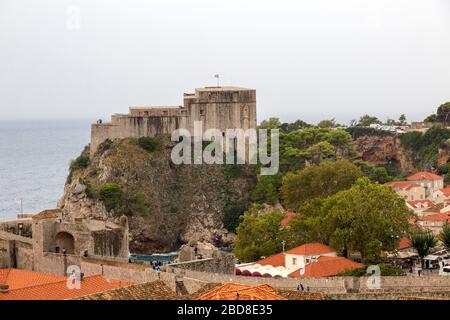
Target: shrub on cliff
232,215
111,194
148,143
81,162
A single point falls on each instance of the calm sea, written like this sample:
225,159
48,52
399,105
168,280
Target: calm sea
34,162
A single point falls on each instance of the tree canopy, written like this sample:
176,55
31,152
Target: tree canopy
367,218
318,181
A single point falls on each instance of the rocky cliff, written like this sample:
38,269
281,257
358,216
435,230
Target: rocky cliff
385,150
167,204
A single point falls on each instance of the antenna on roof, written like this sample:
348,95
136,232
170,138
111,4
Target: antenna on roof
217,76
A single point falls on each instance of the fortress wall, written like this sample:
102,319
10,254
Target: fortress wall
218,108
24,256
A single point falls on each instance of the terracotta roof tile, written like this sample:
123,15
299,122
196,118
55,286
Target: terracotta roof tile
424,175
289,216
276,260
446,191
17,279
156,290
403,185
438,217
417,203
29,285
234,291
404,243
326,267
311,249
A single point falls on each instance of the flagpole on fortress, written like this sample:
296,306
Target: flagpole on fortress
217,77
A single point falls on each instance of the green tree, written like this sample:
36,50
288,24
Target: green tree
294,126
111,194
402,120
266,189
321,181
445,236
327,123
231,216
378,174
423,242
258,235
367,120
320,151
271,123
443,113
364,218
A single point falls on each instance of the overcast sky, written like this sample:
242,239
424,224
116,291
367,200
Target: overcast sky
307,59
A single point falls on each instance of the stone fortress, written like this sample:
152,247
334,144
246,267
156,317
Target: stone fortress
217,107
50,243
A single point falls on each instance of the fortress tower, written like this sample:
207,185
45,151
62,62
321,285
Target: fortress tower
217,107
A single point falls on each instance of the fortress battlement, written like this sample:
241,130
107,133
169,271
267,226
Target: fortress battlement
217,107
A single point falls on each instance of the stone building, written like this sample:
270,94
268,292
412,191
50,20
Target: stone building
217,107
55,243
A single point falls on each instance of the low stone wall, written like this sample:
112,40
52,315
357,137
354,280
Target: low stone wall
220,262
55,263
390,295
124,271
324,285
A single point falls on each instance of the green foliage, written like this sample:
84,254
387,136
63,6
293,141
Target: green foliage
386,270
327,123
90,192
105,145
232,215
315,144
294,126
141,203
267,189
367,120
357,132
364,218
442,115
378,174
425,146
318,181
271,123
444,236
233,171
423,242
111,194
258,235
148,143
80,163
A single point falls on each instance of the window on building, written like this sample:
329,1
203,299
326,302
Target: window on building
294,261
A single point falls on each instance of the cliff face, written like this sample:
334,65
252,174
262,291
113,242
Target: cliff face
167,204
385,151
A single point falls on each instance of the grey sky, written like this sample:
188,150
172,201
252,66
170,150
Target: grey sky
306,59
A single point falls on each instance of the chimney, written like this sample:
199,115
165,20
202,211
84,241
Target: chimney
4,288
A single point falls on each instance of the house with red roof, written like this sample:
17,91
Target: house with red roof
433,222
308,260
408,190
441,195
430,181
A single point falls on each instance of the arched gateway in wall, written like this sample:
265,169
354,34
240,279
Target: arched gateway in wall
65,241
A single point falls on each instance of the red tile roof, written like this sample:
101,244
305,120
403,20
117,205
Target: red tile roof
326,267
446,191
424,175
29,285
311,249
276,260
438,217
235,291
404,185
17,279
404,243
418,203
289,216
